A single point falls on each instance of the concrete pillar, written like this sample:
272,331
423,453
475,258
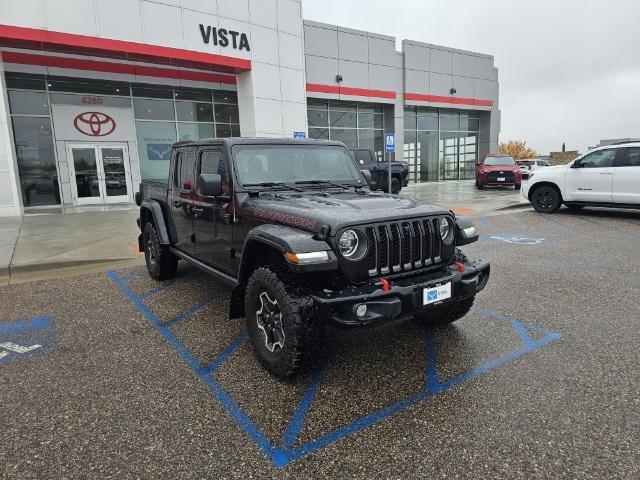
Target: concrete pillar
272,98
10,197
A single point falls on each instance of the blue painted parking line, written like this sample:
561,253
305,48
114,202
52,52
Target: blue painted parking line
572,231
23,339
198,306
289,450
517,221
609,228
168,284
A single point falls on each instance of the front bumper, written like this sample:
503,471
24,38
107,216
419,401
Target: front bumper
403,298
524,190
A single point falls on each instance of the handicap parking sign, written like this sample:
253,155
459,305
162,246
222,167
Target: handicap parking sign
298,135
390,142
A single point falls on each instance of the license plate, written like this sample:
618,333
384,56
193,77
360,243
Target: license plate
501,179
436,294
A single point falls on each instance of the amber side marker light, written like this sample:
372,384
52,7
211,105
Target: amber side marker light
306,258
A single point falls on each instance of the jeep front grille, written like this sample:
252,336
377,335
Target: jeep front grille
401,246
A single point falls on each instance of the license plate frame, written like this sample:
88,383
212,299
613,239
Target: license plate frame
436,294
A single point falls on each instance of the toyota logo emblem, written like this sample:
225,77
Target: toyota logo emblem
94,124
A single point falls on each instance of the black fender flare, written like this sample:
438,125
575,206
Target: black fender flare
155,211
281,239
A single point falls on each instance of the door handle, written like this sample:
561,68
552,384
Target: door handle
606,173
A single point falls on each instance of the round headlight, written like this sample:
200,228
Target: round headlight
348,243
445,230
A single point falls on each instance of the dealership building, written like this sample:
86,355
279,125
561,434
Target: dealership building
94,92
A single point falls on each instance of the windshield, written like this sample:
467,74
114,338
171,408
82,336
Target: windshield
499,161
256,164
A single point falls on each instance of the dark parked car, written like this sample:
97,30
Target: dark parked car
498,170
292,226
379,170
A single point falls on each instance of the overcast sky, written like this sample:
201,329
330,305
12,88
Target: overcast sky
569,70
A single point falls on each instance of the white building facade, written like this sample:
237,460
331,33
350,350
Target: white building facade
94,92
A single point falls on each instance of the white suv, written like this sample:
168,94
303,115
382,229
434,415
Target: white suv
605,177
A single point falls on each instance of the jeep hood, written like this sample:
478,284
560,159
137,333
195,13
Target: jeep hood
314,210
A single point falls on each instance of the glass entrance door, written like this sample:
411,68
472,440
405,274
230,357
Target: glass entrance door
99,173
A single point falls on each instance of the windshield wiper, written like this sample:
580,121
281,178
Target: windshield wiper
322,182
273,184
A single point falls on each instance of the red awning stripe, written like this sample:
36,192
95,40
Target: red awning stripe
113,67
340,90
33,38
419,97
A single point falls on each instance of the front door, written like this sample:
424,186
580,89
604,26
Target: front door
181,198
99,173
593,179
214,215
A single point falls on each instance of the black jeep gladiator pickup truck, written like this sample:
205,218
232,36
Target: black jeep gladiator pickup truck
292,226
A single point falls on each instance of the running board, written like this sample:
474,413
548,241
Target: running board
204,267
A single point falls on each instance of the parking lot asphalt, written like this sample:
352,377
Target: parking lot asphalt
116,375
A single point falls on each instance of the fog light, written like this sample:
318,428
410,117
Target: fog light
361,311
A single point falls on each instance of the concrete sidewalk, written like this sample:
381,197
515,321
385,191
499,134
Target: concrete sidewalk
54,245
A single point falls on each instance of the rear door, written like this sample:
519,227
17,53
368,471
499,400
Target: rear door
593,181
181,197
214,215
626,178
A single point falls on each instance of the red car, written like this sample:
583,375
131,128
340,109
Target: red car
497,170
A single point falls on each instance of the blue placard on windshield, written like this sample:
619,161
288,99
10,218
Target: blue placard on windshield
390,142
299,135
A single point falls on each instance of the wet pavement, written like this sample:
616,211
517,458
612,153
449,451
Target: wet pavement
116,375
463,196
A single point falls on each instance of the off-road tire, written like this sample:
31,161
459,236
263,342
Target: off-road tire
161,263
443,316
479,186
546,199
395,186
303,332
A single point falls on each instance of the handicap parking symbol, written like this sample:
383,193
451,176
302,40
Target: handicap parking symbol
22,339
432,295
516,239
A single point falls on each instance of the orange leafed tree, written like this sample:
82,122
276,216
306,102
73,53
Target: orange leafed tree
517,149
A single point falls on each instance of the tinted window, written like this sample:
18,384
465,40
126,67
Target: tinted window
499,161
212,161
28,103
599,159
153,109
631,158
363,157
186,169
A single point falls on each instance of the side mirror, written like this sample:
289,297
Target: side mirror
367,176
209,184
576,164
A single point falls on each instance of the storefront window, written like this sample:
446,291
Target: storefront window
355,124
227,113
36,161
227,131
154,148
440,144
194,131
153,109
28,103
194,112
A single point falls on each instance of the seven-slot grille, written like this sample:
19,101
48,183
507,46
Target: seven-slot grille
403,245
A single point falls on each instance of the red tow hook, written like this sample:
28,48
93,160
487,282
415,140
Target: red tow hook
386,286
460,266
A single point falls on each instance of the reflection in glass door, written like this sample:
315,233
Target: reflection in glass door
458,154
99,174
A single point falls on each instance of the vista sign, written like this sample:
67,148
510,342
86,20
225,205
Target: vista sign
224,37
